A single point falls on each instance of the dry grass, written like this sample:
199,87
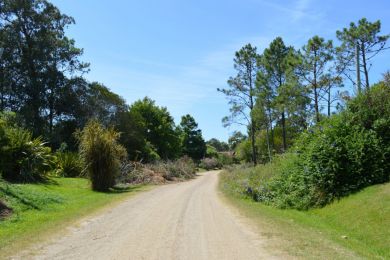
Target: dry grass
158,172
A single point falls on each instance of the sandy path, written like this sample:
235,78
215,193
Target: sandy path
178,221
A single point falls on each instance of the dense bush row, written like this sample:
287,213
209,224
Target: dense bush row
100,158
338,156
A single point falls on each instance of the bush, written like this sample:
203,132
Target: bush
22,158
333,161
158,172
338,156
244,151
100,151
210,164
183,168
69,164
225,158
211,151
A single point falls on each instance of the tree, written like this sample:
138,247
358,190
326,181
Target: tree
80,102
103,104
261,119
193,144
330,81
276,60
242,92
235,139
361,40
314,67
158,127
219,145
38,61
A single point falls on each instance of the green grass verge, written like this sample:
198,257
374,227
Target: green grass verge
355,226
40,210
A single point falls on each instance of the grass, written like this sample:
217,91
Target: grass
357,226
40,210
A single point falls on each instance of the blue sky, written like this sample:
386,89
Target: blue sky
179,52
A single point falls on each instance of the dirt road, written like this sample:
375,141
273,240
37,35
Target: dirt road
178,221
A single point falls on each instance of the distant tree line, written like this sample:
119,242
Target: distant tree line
282,91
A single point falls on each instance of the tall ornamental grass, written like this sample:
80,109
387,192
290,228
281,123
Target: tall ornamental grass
101,152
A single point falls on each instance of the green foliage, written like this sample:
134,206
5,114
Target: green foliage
104,105
22,158
156,126
235,139
361,217
211,151
215,159
37,62
226,158
69,164
242,92
192,142
100,151
244,151
315,69
339,156
220,146
339,159
365,36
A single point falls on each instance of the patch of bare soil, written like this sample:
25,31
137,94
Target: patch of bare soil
5,211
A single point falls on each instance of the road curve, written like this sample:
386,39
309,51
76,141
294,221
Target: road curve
176,221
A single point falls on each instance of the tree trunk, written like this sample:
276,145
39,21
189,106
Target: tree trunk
316,104
365,66
253,129
254,155
270,124
2,89
284,131
329,101
316,92
268,146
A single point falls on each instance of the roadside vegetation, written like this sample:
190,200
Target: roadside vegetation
334,158
312,149
352,227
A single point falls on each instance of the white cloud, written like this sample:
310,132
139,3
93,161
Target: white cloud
295,11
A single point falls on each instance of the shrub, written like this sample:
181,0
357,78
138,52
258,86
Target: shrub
338,156
100,151
158,172
225,158
210,163
334,160
23,158
69,164
341,159
244,151
183,168
211,151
